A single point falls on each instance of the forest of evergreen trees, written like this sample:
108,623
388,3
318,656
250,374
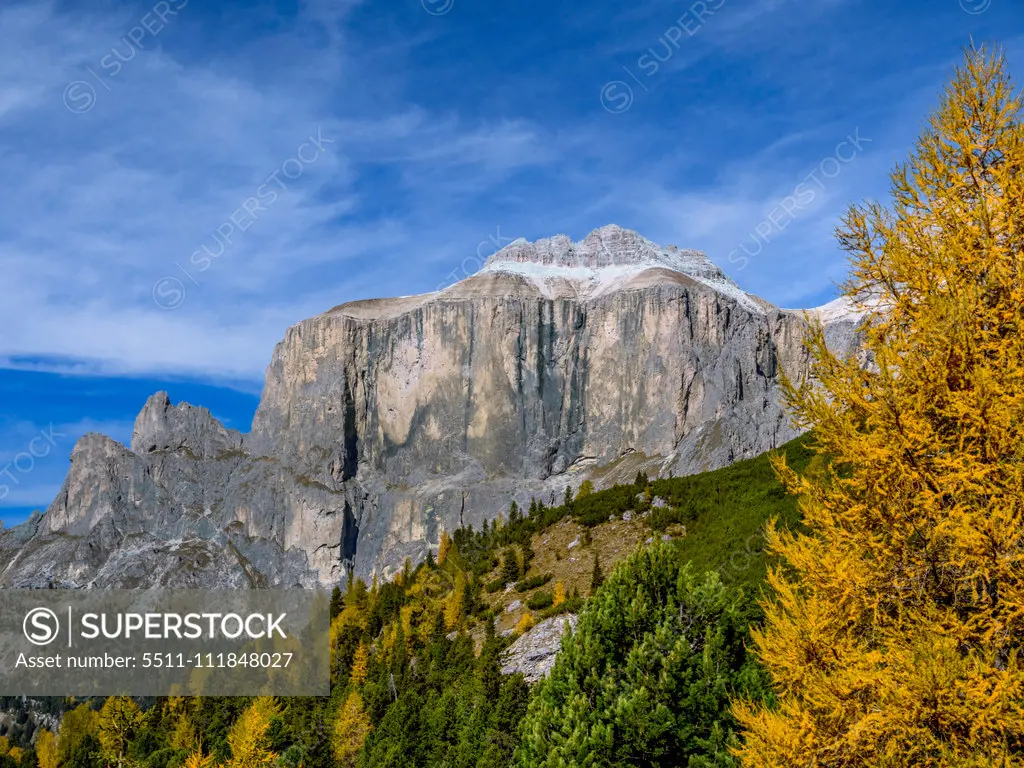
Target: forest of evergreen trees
416,677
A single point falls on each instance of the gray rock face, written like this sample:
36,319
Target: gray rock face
162,427
384,422
534,653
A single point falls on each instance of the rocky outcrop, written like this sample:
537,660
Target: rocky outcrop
384,422
160,427
533,654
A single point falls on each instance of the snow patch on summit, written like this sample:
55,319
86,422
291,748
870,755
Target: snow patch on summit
604,262
841,310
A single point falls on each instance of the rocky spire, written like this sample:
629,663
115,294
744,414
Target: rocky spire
163,427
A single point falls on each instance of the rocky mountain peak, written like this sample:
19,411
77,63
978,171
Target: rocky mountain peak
607,259
609,246
385,422
161,426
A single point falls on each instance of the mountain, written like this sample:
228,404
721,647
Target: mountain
384,422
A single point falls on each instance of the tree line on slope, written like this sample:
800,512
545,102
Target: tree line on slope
416,660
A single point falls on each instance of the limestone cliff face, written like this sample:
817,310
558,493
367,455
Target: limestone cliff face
383,422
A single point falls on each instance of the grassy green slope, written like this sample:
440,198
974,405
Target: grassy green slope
728,508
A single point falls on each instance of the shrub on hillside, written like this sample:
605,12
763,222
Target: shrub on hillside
533,582
661,518
540,600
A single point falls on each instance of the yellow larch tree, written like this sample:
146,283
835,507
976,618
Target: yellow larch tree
198,760
453,603
248,736
895,629
350,730
75,727
444,548
525,623
184,734
46,750
559,593
360,665
120,718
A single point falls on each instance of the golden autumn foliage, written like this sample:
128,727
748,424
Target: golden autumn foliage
405,617
184,734
120,718
559,593
453,603
896,630
248,736
350,730
16,753
198,760
75,727
525,623
444,548
360,665
46,750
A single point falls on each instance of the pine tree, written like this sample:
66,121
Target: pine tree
350,730
597,575
896,635
528,555
510,565
469,597
358,595
567,498
586,488
646,676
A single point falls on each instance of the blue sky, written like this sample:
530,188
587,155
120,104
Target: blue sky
185,179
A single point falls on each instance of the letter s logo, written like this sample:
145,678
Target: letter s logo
41,626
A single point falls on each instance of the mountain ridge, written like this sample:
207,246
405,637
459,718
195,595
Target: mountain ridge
385,421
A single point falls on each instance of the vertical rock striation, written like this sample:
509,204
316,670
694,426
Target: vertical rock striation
383,422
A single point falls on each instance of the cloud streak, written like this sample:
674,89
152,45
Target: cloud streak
434,138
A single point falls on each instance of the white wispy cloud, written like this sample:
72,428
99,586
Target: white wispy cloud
103,203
